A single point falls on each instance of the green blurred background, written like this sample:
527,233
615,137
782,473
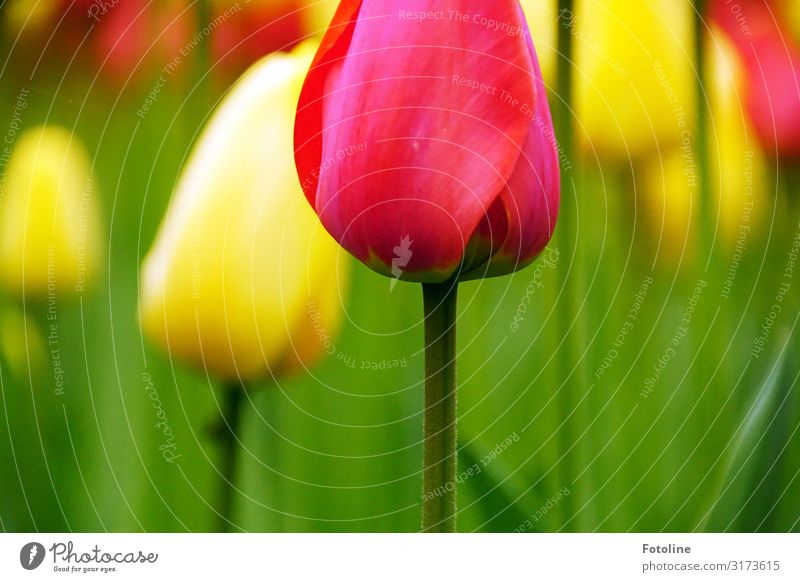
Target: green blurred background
561,360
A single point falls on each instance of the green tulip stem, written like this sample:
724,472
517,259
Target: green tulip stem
572,371
228,437
439,420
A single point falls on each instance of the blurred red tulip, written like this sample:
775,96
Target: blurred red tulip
771,58
136,35
423,138
119,37
47,32
130,37
247,32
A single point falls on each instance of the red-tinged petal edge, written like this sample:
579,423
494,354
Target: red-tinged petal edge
417,126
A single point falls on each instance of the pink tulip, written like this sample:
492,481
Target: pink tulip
424,141
771,58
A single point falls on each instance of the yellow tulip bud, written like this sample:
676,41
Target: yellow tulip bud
242,279
670,182
49,232
634,75
542,17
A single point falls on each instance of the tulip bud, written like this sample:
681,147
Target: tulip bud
424,141
634,74
241,279
49,238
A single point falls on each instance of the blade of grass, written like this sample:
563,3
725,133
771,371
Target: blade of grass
742,447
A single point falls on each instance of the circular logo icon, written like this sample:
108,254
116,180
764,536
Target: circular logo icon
31,555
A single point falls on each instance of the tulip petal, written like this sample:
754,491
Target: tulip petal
242,280
49,224
532,195
416,124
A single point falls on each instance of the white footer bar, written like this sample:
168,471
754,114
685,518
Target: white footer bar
390,557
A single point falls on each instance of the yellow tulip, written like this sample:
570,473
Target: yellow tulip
49,237
242,280
634,77
669,180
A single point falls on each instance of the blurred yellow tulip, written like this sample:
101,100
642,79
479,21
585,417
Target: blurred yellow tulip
634,74
667,187
737,164
542,17
22,344
50,239
24,15
669,180
242,279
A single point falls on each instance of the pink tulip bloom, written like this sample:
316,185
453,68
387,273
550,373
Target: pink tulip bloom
424,141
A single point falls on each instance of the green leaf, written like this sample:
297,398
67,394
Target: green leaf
740,463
